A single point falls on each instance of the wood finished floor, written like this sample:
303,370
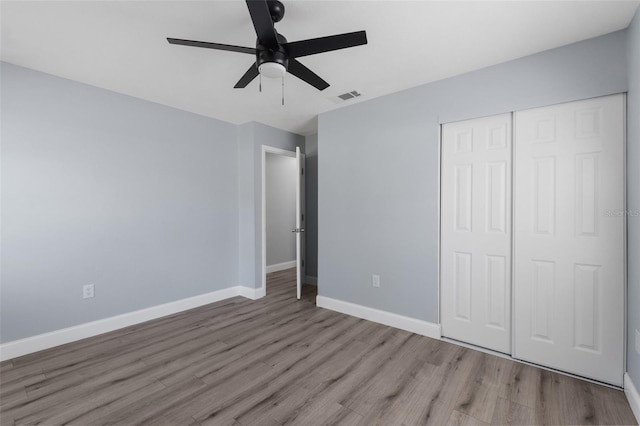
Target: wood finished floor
280,361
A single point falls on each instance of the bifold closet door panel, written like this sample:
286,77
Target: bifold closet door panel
568,239
475,272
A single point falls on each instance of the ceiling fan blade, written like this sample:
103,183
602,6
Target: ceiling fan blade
262,22
325,44
305,74
208,45
247,78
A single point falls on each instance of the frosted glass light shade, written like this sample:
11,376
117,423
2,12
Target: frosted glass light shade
272,69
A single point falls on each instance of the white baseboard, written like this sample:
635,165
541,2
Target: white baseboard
40,342
308,279
413,325
632,396
252,293
280,266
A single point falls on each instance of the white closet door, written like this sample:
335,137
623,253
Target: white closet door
475,272
569,242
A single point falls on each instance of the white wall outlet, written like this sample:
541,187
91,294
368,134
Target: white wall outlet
638,341
87,291
375,280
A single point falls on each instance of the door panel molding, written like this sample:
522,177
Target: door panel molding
475,256
570,317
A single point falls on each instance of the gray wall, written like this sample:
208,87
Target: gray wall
250,138
633,197
378,193
311,194
246,206
134,197
280,211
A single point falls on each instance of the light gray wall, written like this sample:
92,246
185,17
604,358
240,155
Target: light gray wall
246,206
378,190
251,137
633,197
280,212
137,198
311,194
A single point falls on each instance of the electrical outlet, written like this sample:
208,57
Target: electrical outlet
638,341
375,280
87,291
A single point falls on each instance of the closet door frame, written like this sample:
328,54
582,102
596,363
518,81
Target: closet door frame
513,248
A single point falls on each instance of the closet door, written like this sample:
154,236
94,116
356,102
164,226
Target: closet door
569,237
475,254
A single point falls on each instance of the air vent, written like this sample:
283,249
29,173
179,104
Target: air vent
349,95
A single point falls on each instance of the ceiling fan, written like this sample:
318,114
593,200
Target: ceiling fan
274,54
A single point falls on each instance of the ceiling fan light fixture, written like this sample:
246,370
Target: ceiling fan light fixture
272,70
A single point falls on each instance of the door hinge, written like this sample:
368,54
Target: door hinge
303,263
302,171
303,217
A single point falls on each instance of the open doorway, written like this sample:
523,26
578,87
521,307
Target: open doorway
280,212
283,219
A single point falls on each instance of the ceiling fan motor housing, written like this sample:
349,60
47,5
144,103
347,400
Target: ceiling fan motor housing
265,55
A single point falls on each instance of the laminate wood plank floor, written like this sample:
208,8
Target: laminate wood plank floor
279,361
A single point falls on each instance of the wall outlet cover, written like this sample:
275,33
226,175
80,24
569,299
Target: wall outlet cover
87,291
375,280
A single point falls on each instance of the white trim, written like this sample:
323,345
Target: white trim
514,220
413,325
632,396
280,266
438,271
251,293
308,279
625,247
263,231
40,342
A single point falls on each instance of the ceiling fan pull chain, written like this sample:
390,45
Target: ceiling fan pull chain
283,90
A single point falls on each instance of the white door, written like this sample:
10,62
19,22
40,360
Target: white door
300,222
475,255
569,240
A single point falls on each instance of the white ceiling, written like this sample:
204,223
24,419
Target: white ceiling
121,46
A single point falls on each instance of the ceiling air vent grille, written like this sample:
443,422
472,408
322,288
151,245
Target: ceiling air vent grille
349,95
